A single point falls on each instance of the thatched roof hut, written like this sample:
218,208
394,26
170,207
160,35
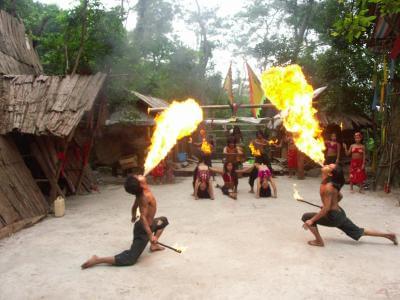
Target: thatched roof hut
46,104
17,55
127,133
47,127
347,120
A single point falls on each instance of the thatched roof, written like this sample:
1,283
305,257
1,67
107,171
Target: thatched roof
349,121
152,102
17,55
131,116
46,104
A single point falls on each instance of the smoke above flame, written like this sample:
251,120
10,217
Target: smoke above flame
288,90
180,119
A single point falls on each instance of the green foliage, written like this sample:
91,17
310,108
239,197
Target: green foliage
357,18
150,59
304,37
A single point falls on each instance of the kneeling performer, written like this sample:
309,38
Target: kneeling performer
331,214
146,229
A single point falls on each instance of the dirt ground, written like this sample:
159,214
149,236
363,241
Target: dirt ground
245,249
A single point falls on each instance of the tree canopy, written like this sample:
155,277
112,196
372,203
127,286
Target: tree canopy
326,37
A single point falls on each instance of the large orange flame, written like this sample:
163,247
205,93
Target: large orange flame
289,91
180,119
254,151
205,147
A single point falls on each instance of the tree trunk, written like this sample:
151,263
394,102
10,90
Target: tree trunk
83,35
393,137
300,32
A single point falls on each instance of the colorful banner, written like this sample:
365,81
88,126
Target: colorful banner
228,84
256,92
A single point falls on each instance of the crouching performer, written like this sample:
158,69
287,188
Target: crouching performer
146,229
331,214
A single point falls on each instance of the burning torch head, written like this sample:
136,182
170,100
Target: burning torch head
133,184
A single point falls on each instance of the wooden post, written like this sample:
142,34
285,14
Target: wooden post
300,165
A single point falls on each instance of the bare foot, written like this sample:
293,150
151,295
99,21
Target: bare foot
251,191
90,262
352,191
393,238
361,191
156,247
315,243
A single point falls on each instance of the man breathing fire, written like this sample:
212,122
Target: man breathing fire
146,229
331,214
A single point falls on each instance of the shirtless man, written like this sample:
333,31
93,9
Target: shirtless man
331,214
146,229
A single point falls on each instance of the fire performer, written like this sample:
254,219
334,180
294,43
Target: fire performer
206,146
232,152
357,164
291,156
202,182
331,214
332,153
265,182
146,229
261,155
230,176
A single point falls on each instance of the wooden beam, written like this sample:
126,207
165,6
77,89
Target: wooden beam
14,227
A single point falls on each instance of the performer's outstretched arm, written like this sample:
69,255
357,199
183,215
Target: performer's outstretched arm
327,199
273,187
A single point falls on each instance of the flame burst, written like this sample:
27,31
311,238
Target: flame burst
289,91
273,142
296,194
180,248
254,151
205,147
180,119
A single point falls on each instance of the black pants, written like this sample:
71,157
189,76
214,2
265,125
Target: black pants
330,160
140,240
253,176
265,193
338,219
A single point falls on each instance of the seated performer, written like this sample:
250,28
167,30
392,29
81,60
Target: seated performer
230,177
202,185
331,214
261,145
146,229
357,164
332,152
264,182
232,153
